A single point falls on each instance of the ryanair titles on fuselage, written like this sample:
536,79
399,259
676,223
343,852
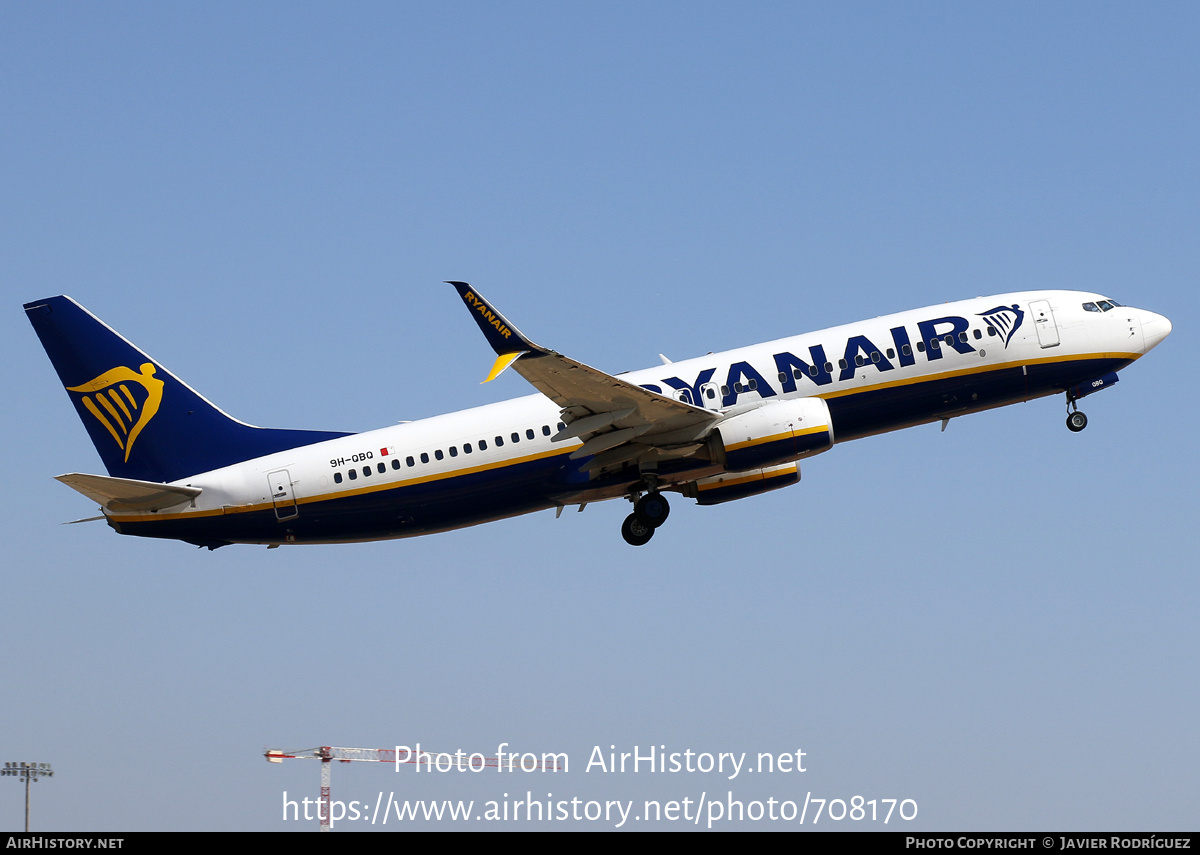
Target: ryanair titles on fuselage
899,349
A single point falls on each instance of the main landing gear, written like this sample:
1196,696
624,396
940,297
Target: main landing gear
649,512
1076,421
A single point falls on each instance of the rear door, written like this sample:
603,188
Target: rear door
282,494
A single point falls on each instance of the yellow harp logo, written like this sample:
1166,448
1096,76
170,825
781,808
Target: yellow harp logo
122,412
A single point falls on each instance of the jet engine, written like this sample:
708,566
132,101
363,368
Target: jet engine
777,432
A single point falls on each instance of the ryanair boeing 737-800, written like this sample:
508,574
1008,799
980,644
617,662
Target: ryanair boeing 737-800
715,428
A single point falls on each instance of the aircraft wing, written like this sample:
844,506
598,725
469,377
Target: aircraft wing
619,422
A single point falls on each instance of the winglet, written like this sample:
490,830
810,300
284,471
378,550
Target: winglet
502,361
505,339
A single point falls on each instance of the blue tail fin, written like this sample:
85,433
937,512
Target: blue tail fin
144,421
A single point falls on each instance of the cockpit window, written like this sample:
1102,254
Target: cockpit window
1090,307
1101,306
1104,305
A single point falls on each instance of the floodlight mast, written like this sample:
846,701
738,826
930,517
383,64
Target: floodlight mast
29,773
439,760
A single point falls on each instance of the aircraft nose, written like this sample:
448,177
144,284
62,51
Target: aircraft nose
1155,328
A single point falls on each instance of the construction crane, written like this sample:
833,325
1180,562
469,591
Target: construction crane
440,761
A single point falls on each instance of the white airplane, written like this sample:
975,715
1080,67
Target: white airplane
715,428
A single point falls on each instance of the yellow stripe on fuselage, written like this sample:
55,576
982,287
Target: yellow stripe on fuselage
500,464
963,372
358,491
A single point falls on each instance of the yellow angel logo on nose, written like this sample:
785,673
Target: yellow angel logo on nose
117,408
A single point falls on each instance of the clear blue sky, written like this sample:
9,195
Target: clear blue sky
998,621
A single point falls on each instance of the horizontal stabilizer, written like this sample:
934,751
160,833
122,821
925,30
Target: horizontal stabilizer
126,494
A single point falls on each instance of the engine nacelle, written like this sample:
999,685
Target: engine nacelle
737,485
775,433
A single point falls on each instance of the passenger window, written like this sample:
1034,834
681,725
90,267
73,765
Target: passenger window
561,426
724,391
891,353
783,376
906,350
424,457
366,471
962,336
992,331
710,392
395,462
438,454
515,437
529,433
842,364
337,477
812,369
978,335
875,356
409,460
795,373
949,339
737,387
467,447
454,451
483,445
545,430
499,441
858,360
828,367
353,473
920,347
382,467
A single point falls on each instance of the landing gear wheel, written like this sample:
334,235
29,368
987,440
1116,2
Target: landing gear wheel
1076,421
635,531
652,509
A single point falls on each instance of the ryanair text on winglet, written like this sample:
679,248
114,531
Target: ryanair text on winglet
481,307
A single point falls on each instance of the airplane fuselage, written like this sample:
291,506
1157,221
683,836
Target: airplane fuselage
504,459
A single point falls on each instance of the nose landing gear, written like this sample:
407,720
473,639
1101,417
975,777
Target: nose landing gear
1076,421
